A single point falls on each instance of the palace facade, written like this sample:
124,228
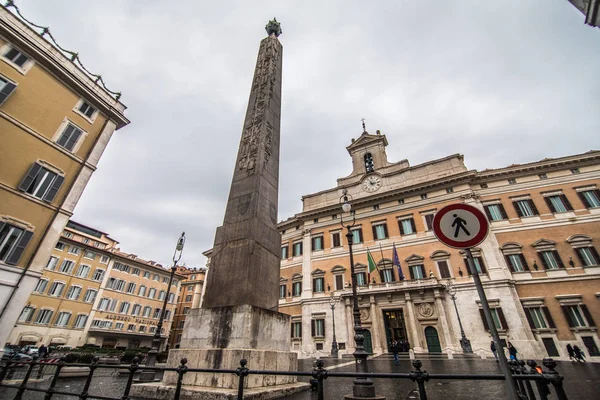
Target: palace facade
539,264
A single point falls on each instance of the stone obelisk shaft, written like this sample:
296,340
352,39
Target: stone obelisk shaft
244,268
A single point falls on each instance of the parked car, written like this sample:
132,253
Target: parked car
16,355
30,350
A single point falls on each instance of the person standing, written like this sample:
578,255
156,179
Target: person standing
43,351
493,349
395,348
512,352
571,352
579,356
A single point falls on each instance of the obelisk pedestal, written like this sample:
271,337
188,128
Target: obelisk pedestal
239,318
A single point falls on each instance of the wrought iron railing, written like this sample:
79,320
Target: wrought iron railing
533,382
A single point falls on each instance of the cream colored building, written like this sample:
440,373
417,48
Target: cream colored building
92,293
55,122
539,264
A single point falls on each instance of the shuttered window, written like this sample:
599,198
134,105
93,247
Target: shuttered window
296,330
296,288
539,318
318,285
497,316
558,203
479,265
590,198
429,221
495,212
550,259
516,262
282,289
417,271
69,137
339,282
297,248
284,252
407,226
318,327
578,316
588,256
6,89
13,241
317,243
357,236
361,278
41,183
380,231
335,237
525,208
444,270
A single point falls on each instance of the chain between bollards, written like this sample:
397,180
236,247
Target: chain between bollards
241,372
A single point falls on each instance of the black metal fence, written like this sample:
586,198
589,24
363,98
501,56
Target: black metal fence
533,382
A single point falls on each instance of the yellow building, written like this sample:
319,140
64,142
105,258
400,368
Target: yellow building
92,293
55,122
188,298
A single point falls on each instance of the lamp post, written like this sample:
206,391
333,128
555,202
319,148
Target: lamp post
334,344
464,342
362,388
149,376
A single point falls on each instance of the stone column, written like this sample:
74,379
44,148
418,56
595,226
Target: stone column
350,345
375,325
443,319
197,296
306,265
412,328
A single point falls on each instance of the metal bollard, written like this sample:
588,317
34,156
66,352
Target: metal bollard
516,370
50,390
420,377
320,374
528,387
241,372
181,370
542,386
132,369
556,379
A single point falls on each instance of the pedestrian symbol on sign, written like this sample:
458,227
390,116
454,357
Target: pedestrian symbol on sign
460,224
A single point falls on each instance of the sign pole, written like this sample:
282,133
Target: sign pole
512,386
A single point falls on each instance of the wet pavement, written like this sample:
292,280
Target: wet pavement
582,381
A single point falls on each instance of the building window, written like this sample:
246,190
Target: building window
339,282
444,269
318,327
68,235
6,89
575,171
479,265
516,262
27,314
146,274
80,321
387,275
134,271
497,316
136,310
63,318
119,325
161,295
74,250
539,318
186,310
98,274
550,259
181,324
483,186
450,190
56,289
41,285
525,208
589,342
296,288
69,137
130,287
131,327
85,240
361,278
578,316
85,109
13,241
83,271
417,271
336,239
152,293
90,295
60,246
357,236
44,317
590,198
317,243
297,248
282,290
380,231
428,219
423,196
171,297
90,255
558,203
188,298
124,309
142,328
52,262
318,285
147,311
369,166
16,57
588,256
296,330
512,181
284,252
407,226
400,201
543,176
73,292
495,212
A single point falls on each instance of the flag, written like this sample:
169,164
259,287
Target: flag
396,262
372,265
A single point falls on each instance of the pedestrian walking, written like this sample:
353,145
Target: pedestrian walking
512,352
571,352
395,348
493,349
43,351
579,356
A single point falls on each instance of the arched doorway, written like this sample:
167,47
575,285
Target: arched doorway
367,343
433,340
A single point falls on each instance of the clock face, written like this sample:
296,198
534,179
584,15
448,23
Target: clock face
372,183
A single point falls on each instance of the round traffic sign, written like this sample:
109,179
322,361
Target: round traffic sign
460,226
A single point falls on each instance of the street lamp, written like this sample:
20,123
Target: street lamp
334,345
464,342
151,359
362,387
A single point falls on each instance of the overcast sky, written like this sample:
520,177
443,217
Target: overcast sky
500,82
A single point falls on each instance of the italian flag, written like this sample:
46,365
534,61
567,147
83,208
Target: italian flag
372,265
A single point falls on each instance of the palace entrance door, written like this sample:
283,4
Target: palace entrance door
395,328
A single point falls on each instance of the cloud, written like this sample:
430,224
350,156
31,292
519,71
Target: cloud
500,82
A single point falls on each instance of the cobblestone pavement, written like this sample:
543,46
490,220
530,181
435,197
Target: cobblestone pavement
582,381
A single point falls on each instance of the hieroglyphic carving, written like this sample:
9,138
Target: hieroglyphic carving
262,92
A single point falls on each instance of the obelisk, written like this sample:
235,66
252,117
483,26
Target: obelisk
239,317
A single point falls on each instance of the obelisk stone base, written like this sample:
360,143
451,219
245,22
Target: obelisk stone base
158,391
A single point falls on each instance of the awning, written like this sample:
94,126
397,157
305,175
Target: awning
58,341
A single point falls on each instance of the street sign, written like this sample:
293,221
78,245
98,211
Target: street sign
460,226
